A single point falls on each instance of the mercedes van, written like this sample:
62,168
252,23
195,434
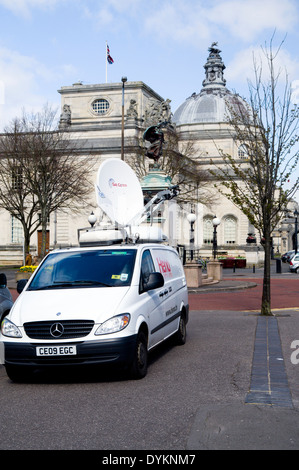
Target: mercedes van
96,305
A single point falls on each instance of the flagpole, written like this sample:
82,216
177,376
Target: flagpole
106,61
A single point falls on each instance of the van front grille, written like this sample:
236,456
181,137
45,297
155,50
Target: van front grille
58,329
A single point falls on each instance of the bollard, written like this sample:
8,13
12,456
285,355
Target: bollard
278,265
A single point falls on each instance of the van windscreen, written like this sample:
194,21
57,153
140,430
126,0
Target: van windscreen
94,268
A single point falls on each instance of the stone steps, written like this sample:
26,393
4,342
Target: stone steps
207,280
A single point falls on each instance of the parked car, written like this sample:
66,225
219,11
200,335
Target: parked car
6,301
294,263
286,257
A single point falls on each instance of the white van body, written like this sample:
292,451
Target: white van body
97,305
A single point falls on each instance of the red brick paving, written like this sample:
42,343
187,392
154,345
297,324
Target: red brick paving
284,294
14,294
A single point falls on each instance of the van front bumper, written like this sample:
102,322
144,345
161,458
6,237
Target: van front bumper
109,351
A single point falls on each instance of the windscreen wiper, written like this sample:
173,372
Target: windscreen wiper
90,282
77,283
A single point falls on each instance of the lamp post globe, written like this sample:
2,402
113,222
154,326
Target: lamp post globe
92,219
216,221
191,218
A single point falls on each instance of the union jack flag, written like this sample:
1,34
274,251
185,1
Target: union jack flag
109,58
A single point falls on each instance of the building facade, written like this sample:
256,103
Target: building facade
100,115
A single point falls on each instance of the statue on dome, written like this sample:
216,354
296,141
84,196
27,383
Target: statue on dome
214,68
214,48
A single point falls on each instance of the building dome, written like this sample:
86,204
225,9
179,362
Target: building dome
214,100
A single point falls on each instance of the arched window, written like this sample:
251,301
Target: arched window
208,230
243,151
230,230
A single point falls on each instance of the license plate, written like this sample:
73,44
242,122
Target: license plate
56,350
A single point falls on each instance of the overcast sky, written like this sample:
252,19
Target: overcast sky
46,44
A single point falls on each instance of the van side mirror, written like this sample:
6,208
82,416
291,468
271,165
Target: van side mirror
155,280
21,284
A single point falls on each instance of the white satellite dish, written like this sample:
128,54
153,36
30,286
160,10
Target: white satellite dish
118,191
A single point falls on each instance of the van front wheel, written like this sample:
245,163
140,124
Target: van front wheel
138,368
180,335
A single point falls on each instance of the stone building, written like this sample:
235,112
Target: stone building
203,118
95,114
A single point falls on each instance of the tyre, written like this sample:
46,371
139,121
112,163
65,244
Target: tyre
138,368
181,334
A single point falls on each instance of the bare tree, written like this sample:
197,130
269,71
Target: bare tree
15,195
267,131
54,173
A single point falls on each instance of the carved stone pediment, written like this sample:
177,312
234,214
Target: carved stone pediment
157,112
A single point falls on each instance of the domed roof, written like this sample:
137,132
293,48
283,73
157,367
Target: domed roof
214,100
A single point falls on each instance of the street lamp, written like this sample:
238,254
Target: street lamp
216,222
123,79
296,213
191,219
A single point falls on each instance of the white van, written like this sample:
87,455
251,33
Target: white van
97,305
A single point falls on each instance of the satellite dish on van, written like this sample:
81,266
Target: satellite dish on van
118,191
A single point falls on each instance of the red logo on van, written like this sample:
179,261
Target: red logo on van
164,266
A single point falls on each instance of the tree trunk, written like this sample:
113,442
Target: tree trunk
44,233
26,239
266,297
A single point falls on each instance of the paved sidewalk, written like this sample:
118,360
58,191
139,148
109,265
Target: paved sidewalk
224,285
267,418
264,416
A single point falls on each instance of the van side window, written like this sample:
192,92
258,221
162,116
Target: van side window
147,267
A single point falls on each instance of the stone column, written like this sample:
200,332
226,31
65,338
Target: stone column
214,270
193,273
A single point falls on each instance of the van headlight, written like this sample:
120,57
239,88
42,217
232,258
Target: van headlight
114,324
8,328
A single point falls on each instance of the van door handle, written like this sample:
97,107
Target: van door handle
163,293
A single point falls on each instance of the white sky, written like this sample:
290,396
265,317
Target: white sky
46,44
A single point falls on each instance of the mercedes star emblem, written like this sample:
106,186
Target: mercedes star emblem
56,330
